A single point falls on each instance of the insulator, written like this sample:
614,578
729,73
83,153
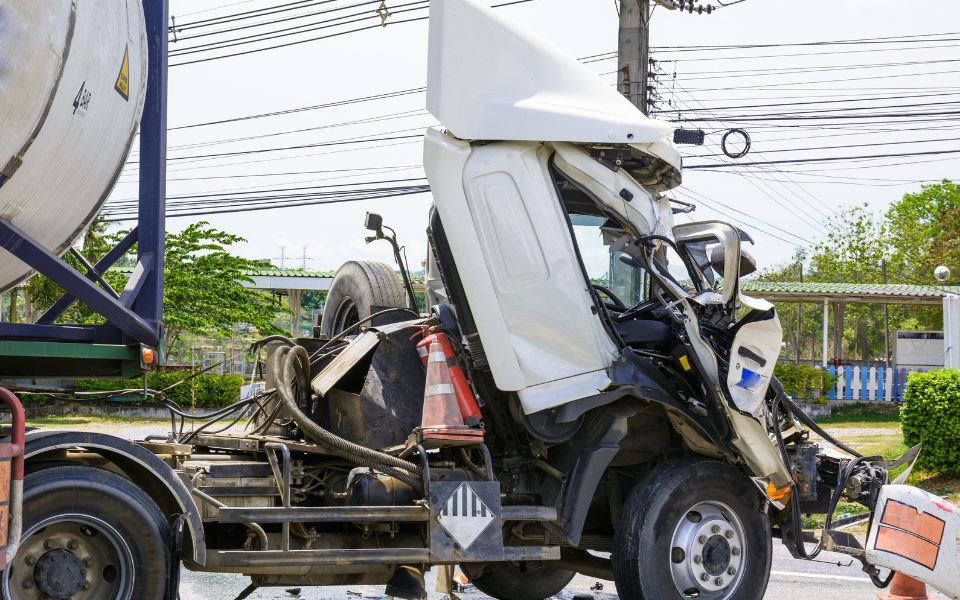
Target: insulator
709,9
700,9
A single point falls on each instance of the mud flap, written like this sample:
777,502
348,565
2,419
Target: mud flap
466,522
916,533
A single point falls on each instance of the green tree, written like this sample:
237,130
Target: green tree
203,285
922,225
856,245
924,228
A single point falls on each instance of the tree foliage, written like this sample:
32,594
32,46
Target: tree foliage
918,233
203,284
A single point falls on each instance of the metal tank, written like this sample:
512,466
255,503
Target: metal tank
72,84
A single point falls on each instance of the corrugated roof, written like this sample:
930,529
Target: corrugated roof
886,289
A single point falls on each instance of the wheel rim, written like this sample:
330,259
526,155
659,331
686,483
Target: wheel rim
708,551
71,556
347,315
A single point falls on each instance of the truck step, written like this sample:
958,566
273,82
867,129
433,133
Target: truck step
278,558
335,514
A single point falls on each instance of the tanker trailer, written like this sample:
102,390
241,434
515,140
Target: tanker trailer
72,85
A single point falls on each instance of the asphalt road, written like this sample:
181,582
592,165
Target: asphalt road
789,580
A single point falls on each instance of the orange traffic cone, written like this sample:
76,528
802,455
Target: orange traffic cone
442,422
903,587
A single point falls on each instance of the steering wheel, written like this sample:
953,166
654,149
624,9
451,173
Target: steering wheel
617,303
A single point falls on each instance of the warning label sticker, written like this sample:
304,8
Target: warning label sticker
123,79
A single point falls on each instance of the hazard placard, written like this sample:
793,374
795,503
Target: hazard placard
123,79
465,522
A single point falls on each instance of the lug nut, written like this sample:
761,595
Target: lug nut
715,529
73,544
729,534
48,544
732,571
697,560
702,539
30,561
87,562
28,583
705,576
719,581
85,585
736,551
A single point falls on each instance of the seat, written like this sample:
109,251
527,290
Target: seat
644,333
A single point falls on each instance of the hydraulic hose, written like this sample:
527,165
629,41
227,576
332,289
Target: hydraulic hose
296,367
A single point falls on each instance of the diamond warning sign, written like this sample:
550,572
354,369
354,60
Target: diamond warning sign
123,79
465,516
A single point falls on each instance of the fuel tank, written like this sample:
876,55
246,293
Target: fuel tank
72,85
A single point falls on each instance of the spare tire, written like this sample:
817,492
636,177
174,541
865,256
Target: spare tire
359,289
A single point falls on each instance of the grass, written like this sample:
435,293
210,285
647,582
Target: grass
861,414
107,421
78,421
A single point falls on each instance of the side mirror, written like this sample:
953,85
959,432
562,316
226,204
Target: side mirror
747,263
373,221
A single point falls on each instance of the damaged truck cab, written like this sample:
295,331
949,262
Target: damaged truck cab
588,392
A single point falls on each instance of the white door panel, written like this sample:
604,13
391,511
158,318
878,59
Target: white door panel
529,254
444,158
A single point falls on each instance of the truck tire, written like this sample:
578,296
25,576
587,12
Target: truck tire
89,532
692,527
521,581
358,286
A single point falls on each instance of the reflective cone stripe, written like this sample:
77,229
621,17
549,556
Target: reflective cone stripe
469,410
440,409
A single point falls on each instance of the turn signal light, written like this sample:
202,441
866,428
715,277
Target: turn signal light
149,356
781,496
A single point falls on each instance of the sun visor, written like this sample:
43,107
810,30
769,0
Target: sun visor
488,78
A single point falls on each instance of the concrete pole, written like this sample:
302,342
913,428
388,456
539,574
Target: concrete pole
799,314
826,313
633,48
886,324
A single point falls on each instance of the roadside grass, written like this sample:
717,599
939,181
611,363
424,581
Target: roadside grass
863,415
111,421
82,420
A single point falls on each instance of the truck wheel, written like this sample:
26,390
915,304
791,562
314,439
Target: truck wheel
88,534
521,581
358,286
692,528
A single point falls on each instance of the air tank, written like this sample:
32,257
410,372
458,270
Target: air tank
72,85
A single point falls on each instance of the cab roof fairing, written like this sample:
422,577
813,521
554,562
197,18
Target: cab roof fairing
488,78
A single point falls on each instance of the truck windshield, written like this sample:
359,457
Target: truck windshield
614,271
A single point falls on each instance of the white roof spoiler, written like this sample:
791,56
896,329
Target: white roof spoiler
488,78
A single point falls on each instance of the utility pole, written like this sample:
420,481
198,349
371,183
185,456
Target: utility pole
283,257
886,325
799,310
633,50
303,261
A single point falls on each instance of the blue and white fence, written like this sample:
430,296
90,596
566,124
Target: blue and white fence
869,384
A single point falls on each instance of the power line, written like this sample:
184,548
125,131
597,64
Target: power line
290,111
825,159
